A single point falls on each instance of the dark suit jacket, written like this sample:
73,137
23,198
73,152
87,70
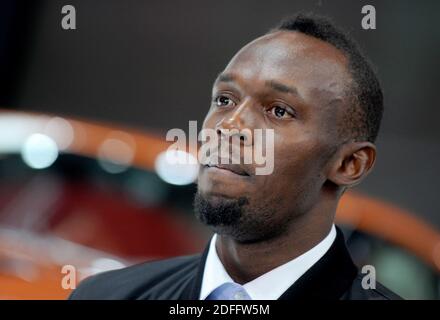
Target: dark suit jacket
333,277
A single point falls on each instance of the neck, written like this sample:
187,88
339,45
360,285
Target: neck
245,262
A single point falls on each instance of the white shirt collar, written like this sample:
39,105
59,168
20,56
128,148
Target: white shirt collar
271,285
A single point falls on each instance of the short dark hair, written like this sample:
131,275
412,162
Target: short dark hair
362,120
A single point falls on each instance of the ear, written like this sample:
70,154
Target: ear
352,163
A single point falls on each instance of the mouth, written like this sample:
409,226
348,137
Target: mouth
228,169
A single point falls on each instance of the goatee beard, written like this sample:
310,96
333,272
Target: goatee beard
236,218
218,213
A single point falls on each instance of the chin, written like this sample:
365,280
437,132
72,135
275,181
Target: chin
223,186
221,191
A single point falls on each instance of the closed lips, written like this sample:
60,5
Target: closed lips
229,167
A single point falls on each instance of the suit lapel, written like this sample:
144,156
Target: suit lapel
329,278
192,290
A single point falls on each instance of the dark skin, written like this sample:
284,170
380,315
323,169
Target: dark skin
296,85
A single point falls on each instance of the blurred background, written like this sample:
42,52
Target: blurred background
83,117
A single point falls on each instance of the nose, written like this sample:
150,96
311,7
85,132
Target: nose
237,123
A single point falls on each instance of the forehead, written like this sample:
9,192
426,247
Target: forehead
311,65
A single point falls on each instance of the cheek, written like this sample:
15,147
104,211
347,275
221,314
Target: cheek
294,184
297,165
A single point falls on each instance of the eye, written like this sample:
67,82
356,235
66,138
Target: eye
280,112
223,101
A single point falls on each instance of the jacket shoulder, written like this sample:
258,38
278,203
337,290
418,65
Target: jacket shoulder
380,292
135,281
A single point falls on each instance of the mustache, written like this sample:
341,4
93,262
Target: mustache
224,153
247,157
220,159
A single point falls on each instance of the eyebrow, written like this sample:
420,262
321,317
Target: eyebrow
225,77
282,87
275,85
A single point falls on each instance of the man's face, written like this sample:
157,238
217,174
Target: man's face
291,83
